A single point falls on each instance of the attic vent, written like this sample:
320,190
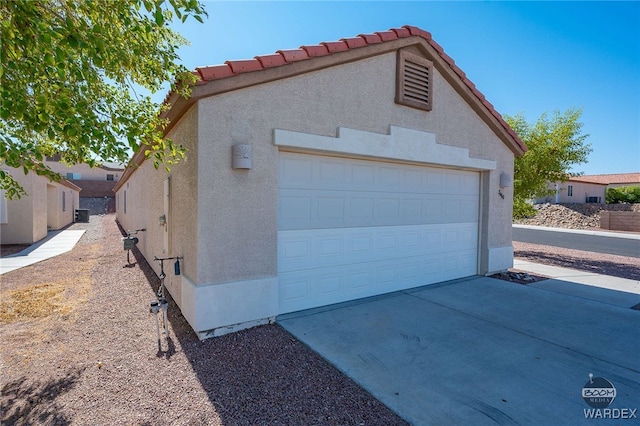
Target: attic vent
414,81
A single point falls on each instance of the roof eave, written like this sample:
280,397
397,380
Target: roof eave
224,80
445,65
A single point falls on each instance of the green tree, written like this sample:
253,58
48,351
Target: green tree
555,145
623,194
67,77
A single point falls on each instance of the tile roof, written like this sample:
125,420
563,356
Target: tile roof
616,178
284,57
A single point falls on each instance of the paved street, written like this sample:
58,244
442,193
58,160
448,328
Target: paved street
600,242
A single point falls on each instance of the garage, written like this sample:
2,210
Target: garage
324,174
352,228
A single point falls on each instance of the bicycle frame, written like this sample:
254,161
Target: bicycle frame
161,304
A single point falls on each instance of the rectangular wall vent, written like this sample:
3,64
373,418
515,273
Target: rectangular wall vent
414,81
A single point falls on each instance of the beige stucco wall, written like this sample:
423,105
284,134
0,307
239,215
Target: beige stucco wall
581,190
19,229
145,205
238,214
60,208
86,172
31,216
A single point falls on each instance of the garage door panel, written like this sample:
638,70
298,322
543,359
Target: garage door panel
306,209
323,286
355,228
305,249
299,171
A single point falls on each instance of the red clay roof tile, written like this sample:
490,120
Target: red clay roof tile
402,32
436,46
469,83
270,61
418,32
371,38
335,46
386,35
293,55
449,60
354,42
314,51
215,72
614,178
246,65
199,80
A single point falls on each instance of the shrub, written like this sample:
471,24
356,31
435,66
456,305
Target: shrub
522,209
623,194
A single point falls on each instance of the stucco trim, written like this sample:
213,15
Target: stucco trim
218,309
499,259
400,144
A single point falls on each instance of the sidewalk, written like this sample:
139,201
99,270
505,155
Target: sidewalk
54,244
603,288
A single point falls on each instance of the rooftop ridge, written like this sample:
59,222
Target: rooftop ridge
232,68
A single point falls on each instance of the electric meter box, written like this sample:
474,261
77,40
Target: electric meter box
129,242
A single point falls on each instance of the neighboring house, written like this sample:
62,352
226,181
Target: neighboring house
47,206
575,191
612,180
97,181
325,174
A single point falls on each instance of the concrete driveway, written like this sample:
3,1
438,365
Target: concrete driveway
483,351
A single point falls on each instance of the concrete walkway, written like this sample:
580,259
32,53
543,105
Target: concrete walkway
54,244
603,288
483,351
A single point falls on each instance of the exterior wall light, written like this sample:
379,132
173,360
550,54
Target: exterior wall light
241,156
505,180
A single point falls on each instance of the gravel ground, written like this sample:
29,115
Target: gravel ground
599,263
86,354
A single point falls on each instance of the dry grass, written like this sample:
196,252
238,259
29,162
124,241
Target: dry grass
34,302
54,293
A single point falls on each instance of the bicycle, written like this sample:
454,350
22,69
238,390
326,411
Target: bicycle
161,304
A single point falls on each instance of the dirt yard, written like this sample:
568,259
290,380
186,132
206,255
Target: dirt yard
79,347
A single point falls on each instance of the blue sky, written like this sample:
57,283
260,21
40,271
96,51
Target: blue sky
525,57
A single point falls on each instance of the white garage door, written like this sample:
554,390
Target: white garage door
349,228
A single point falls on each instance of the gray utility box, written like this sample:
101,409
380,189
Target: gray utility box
82,215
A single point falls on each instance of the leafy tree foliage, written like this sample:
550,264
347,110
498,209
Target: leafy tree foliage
623,194
555,144
67,73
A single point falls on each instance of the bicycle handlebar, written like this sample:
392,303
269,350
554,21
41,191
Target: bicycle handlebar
156,258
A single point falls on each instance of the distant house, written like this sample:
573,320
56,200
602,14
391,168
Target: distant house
325,174
611,180
47,206
575,191
97,181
